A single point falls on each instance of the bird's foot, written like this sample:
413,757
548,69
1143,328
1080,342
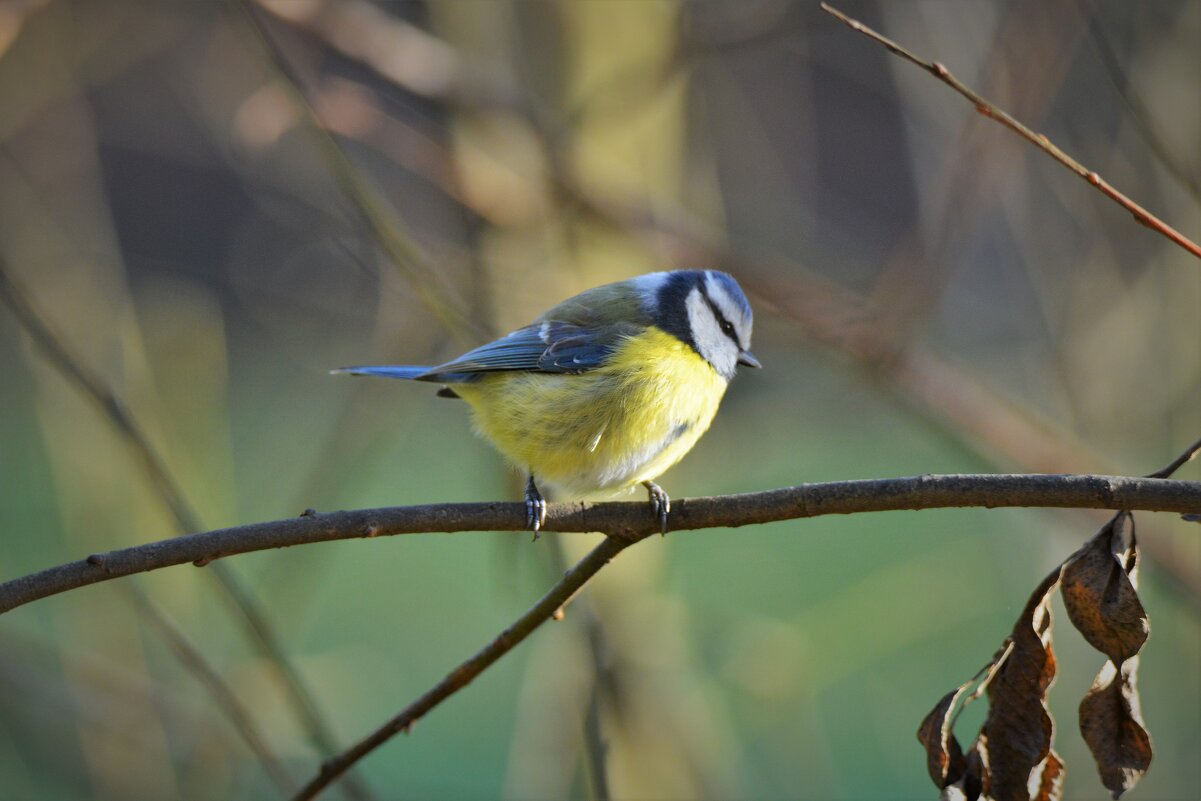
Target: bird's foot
535,507
660,503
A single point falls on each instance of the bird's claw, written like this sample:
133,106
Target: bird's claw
535,514
660,503
535,507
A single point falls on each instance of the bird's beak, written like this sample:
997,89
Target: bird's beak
748,358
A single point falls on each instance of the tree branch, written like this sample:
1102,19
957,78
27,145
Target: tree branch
810,503
458,678
1186,456
628,522
1040,141
805,501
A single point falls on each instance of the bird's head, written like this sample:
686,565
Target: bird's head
707,310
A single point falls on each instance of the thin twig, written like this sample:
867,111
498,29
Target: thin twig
221,693
1139,114
1040,141
458,678
154,467
626,521
404,253
1186,456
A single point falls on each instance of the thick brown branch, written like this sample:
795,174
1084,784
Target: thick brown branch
988,109
626,521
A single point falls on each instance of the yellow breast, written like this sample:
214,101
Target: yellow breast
604,430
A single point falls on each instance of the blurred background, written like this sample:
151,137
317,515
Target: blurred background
206,206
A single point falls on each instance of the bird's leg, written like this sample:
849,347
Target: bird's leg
660,503
535,507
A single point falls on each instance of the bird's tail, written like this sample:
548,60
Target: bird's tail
407,371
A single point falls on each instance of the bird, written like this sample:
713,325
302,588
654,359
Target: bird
606,390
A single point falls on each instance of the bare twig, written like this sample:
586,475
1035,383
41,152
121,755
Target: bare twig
402,251
1040,141
625,521
119,415
222,695
1186,456
1140,114
458,678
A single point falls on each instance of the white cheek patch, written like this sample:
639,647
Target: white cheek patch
729,309
717,348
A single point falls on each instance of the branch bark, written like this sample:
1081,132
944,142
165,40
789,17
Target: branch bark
626,522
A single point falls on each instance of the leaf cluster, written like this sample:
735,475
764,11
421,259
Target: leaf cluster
1013,756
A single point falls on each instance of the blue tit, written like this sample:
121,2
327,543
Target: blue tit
606,390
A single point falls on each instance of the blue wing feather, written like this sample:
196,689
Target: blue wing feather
409,371
519,350
549,347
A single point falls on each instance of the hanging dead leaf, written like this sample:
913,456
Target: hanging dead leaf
1111,721
1015,740
967,786
954,792
1047,779
1012,758
1099,591
944,757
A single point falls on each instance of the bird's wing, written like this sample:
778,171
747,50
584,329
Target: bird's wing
547,347
410,371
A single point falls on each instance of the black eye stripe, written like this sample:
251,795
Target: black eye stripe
726,326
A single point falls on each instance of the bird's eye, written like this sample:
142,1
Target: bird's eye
727,328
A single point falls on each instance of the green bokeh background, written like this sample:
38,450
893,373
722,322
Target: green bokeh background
177,220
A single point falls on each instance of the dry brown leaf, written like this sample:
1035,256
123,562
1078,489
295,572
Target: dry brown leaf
1049,785
959,776
1012,758
1111,721
944,757
1099,591
966,787
1015,740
